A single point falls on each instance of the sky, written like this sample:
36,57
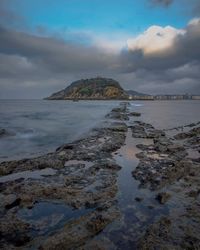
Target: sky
151,46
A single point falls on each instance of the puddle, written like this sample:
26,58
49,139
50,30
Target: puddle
37,174
136,215
46,217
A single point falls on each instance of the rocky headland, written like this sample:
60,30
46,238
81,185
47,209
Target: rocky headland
95,88
127,185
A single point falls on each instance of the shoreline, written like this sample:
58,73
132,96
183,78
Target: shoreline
125,100
81,189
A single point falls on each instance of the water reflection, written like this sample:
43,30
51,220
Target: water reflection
138,206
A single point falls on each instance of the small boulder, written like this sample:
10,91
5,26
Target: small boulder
163,197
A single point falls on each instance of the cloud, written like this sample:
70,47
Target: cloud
163,48
46,63
164,59
53,54
191,7
155,39
160,60
8,17
164,3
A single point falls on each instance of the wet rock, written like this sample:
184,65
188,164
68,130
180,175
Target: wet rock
142,156
46,161
78,232
135,114
118,113
18,239
163,197
5,133
69,146
138,132
194,193
144,125
161,144
166,146
145,130
151,134
138,199
9,201
91,204
27,200
179,231
2,132
143,147
184,135
118,128
97,244
110,165
175,147
190,242
156,173
157,236
193,141
13,231
97,224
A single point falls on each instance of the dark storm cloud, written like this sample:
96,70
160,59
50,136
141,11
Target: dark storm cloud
46,62
180,80
52,54
164,3
196,8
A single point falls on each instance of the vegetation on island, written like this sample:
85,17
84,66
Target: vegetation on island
94,88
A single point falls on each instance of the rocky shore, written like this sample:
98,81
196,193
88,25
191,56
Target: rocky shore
170,167
69,198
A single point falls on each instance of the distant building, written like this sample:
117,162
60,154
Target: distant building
164,97
187,97
141,97
177,97
169,97
195,97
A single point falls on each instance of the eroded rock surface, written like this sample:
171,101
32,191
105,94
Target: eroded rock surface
169,166
83,176
67,199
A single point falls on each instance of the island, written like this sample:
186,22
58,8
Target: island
98,88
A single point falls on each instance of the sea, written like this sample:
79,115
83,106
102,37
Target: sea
37,127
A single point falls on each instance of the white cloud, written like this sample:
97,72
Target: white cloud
155,39
194,21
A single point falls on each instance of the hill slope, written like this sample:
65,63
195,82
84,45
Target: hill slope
94,88
135,93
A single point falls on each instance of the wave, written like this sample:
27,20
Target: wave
137,104
27,134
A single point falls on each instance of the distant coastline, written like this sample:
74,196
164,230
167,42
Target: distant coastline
135,98
101,88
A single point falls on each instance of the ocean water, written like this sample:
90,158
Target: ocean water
40,126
